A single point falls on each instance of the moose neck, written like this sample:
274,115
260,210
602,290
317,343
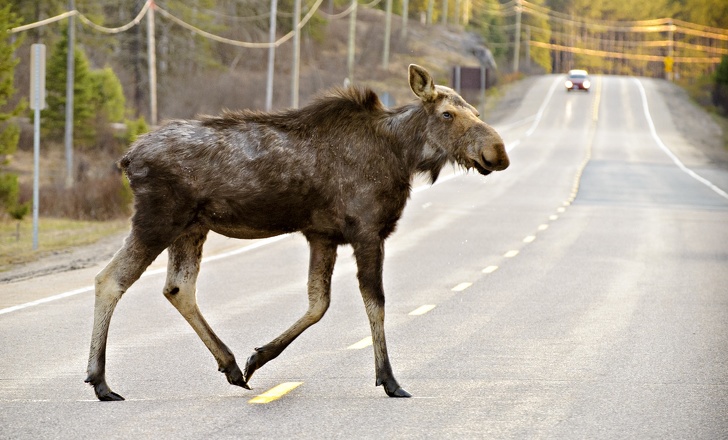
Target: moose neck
408,126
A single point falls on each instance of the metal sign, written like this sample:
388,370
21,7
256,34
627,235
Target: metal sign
37,76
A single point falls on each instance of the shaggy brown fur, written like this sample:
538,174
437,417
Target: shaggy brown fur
339,171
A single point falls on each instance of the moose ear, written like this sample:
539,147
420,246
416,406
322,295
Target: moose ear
421,83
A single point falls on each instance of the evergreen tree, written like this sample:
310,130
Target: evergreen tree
720,93
108,96
54,116
9,132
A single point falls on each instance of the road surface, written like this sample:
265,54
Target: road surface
579,294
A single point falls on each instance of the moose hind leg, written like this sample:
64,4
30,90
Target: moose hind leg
124,269
369,260
321,266
183,267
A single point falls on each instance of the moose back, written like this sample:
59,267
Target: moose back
338,170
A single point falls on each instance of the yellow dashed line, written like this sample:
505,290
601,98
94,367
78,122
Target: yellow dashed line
490,269
275,393
460,287
366,342
553,217
422,310
529,239
511,253
543,227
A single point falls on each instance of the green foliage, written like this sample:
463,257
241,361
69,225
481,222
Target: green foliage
720,92
54,116
487,22
721,73
9,132
9,195
98,99
134,128
540,56
107,97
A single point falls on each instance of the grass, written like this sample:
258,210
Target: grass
54,234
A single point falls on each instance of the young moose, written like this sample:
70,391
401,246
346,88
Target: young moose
339,171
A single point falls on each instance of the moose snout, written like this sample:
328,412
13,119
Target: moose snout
495,157
488,151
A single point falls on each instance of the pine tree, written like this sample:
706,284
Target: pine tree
54,116
9,132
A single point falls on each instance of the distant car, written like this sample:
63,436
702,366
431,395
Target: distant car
577,80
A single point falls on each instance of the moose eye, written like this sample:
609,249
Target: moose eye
447,115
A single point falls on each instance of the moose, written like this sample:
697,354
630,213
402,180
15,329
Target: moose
338,170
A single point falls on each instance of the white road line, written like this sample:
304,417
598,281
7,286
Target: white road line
421,310
667,151
460,287
541,109
366,342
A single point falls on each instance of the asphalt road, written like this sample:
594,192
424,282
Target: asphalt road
579,294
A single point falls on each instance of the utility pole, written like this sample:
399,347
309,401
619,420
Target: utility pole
296,53
405,17
70,80
444,11
152,60
517,38
430,10
387,35
528,48
271,55
352,42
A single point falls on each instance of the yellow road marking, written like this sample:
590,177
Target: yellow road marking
529,239
490,269
553,217
275,393
511,254
460,287
366,342
562,209
543,227
422,310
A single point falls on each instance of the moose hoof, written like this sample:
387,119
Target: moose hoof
392,388
235,377
399,392
251,365
109,397
104,393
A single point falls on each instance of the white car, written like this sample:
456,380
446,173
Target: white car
577,80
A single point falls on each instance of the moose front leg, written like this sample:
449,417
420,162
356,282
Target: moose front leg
321,266
370,260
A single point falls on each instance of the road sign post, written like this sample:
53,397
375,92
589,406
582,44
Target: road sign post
37,103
